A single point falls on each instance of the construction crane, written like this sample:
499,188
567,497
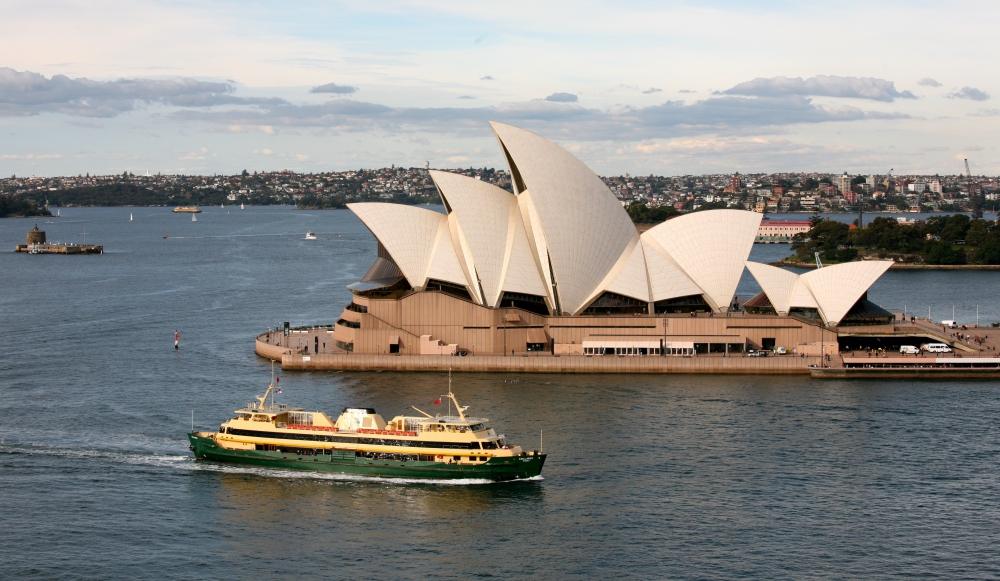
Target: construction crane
976,199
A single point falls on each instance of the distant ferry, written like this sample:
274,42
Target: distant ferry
361,442
187,209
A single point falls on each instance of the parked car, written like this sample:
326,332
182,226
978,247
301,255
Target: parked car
908,350
950,324
780,351
756,353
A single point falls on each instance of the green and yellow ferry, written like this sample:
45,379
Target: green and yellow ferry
361,442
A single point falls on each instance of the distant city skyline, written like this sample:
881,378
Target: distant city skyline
676,88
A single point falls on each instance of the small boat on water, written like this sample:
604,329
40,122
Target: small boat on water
310,236
359,441
187,210
241,206
194,218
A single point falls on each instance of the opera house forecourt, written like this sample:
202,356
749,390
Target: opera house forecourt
554,277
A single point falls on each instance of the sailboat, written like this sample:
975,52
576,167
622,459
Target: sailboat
194,218
223,206
130,217
241,206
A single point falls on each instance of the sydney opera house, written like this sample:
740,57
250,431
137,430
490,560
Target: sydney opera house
557,266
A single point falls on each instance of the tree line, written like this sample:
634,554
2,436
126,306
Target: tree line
955,239
12,207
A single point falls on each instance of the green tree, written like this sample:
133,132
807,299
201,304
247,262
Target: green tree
978,229
828,237
887,234
956,228
641,214
989,250
942,252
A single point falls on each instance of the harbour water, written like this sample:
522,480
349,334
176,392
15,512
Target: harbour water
687,477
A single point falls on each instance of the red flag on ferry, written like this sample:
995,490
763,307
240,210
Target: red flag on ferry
278,379
437,401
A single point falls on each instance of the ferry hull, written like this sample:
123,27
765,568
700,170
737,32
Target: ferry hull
497,469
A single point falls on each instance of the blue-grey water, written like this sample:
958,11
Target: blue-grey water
679,477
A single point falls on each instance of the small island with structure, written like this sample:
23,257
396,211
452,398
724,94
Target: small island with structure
35,244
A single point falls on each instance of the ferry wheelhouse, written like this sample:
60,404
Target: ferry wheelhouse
360,441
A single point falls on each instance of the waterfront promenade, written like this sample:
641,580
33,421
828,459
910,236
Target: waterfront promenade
313,350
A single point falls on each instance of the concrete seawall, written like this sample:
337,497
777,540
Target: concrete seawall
906,373
547,364
270,351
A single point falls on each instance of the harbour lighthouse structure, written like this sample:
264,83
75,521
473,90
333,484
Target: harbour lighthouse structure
558,266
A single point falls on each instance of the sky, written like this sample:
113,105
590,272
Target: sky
666,88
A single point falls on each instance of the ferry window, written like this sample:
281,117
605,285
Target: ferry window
489,445
300,419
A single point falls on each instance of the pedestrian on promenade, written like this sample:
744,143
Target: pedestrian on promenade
177,338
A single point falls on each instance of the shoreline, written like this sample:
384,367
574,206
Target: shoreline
899,266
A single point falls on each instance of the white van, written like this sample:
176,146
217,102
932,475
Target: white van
908,350
950,324
936,348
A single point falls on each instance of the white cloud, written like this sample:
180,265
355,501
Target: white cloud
198,154
31,156
28,93
928,82
562,98
334,88
569,121
971,93
821,86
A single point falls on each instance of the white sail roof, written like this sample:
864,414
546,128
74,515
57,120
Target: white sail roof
521,273
777,283
666,279
491,227
710,247
801,297
831,289
483,212
836,288
630,278
417,239
444,264
586,229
